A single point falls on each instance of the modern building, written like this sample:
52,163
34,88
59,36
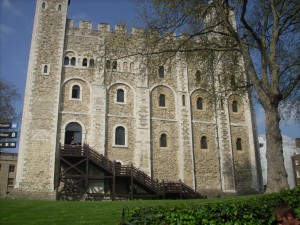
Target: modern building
8,169
164,118
291,152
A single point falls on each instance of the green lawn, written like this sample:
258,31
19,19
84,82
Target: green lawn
32,212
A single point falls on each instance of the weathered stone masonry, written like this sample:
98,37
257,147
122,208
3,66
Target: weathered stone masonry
85,95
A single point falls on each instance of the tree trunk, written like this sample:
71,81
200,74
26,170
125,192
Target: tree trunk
277,176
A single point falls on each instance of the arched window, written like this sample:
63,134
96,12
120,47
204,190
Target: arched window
84,62
59,7
66,61
234,106
203,142
161,72
125,68
163,140
43,5
76,92
115,65
120,95
120,136
73,61
92,62
132,67
45,69
107,64
239,144
198,76
200,103
162,100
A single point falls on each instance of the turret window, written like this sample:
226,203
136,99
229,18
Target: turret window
45,69
59,7
239,144
163,140
43,5
203,142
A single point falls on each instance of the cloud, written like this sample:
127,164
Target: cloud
5,30
6,4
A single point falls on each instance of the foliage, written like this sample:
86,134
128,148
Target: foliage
258,210
8,96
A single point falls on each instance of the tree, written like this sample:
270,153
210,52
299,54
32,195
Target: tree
264,32
8,97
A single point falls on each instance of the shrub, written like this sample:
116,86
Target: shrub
253,210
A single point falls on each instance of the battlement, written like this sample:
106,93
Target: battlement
103,27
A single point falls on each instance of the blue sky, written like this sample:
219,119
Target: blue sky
16,22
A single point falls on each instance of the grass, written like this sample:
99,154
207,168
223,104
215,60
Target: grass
33,212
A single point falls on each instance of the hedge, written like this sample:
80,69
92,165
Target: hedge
253,210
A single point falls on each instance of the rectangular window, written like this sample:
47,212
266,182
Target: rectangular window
183,100
11,168
296,162
10,181
298,173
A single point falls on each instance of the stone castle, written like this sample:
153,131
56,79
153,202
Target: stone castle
159,118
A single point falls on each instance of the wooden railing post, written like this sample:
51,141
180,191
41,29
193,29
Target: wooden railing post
131,182
114,181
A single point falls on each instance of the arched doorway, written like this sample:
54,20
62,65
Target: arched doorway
73,134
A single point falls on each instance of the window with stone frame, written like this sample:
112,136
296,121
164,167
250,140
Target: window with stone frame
120,95
239,144
132,67
125,67
45,70
120,136
59,7
198,76
76,92
11,168
234,106
10,181
73,61
163,140
115,65
161,72
84,62
162,100
66,60
203,142
199,103
43,5
92,62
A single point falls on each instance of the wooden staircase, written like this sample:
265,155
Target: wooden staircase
74,179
